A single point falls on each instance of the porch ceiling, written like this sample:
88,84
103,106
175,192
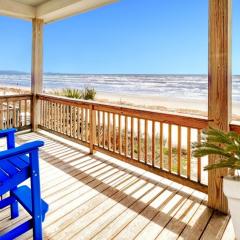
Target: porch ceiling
48,10
33,3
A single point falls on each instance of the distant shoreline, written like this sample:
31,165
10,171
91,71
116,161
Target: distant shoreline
194,107
15,72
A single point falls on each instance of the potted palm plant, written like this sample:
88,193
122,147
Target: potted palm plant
227,146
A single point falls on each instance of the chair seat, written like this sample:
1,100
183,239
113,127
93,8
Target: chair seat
13,171
24,197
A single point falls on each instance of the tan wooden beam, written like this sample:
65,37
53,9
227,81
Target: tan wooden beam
220,85
37,69
51,10
58,9
16,9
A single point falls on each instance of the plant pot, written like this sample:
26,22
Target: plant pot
231,189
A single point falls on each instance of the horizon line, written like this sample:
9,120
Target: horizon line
65,73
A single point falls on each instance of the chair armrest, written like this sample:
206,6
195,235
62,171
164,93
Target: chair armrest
10,135
21,150
6,132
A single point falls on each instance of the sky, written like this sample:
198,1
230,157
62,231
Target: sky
127,37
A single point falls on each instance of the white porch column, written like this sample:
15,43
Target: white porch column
37,69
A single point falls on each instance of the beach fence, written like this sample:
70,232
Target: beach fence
158,142
155,141
15,111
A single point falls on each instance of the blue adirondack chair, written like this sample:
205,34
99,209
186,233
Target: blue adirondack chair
18,164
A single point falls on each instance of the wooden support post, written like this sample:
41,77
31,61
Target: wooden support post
1,116
219,81
37,69
92,134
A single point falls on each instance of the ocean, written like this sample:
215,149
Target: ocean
180,86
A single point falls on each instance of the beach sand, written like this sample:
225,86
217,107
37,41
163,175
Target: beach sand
6,90
194,107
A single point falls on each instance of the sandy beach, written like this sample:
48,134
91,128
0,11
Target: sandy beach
195,107
7,90
170,104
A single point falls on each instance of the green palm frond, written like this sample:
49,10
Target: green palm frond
86,94
204,151
217,136
225,145
229,163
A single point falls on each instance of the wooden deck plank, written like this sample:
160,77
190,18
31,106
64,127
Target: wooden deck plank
174,228
122,182
67,205
164,216
94,197
121,213
71,216
197,224
138,224
100,211
129,214
229,232
216,226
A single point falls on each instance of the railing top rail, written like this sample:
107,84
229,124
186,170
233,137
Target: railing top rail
234,126
66,100
153,115
15,96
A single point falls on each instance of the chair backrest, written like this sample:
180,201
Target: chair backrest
16,165
15,161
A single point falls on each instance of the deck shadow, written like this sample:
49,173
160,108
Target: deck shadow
88,180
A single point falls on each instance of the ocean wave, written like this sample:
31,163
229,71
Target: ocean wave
187,86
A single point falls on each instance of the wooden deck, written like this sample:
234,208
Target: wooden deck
98,197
